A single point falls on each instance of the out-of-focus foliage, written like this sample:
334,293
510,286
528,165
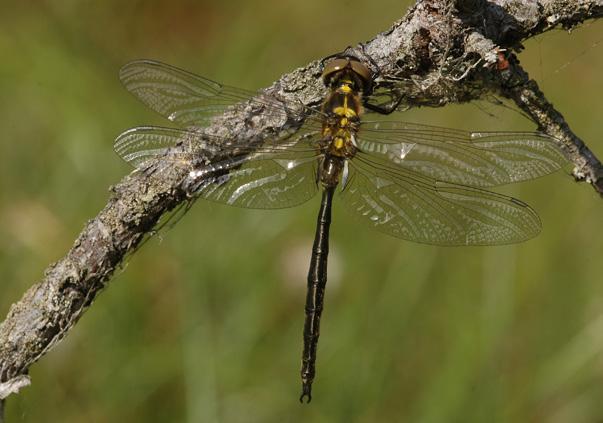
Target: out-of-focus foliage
204,323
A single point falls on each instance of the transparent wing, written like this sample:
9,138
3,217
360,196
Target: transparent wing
479,159
276,174
140,146
420,209
264,183
183,97
178,95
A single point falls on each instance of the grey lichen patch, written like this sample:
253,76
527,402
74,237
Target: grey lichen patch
13,386
525,12
303,85
484,47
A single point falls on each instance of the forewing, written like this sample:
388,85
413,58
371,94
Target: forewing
181,96
420,209
479,159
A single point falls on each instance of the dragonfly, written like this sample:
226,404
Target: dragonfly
416,182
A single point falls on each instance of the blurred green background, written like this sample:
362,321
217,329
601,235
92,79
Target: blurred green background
204,323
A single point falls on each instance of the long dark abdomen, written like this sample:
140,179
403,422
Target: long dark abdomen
317,280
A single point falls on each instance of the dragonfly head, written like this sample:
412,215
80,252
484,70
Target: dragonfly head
349,71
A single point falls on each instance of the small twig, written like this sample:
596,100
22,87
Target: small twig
531,100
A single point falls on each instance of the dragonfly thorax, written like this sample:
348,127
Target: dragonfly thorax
341,109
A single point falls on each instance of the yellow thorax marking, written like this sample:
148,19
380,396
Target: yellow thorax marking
338,143
345,88
344,110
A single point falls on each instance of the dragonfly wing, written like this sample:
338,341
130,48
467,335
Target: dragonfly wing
142,145
269,183
181,96
479,159
421,209
278,173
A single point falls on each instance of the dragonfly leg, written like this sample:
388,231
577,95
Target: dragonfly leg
387,108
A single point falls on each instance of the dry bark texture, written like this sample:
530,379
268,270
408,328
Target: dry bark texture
441,52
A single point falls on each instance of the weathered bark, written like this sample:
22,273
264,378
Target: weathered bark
441,52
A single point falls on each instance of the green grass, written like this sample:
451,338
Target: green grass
204,323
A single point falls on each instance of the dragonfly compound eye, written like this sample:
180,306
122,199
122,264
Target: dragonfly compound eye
350,66
362,71
333,67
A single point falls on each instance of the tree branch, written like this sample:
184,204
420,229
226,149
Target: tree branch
439,53
531,100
